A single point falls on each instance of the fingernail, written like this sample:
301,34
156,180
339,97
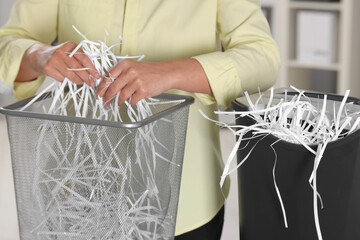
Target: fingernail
97,75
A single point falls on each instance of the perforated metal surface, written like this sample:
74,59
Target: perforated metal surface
83,181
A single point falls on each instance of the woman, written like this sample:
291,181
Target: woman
181,41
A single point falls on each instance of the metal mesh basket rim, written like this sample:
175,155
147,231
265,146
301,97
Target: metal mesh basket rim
12,110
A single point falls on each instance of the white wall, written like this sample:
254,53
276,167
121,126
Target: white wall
5,7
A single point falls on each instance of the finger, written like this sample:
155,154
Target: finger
126,93
120,68
51,71
111,76
82,74
57,75
117,86
68,46
71,75
61,62
103,86
137,90
135,98
85,61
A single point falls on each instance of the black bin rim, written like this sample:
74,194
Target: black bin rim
238,106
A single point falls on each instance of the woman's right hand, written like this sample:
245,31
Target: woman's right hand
54,61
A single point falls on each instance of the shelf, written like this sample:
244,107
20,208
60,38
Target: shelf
337,77
329,67
325,6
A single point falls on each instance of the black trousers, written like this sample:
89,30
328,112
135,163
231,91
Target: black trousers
210,231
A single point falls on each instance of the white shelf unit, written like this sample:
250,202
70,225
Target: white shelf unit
270,6
333,78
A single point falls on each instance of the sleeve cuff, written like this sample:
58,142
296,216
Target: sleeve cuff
27,89
223,78
12,66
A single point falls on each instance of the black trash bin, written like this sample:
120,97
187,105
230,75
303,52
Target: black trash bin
338,183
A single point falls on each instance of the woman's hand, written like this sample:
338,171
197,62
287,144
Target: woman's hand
54,61
139,80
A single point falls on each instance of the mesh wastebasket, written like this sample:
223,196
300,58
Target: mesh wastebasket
338,183
87,179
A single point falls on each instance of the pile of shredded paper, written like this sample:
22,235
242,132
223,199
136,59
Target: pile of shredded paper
296,120
84,189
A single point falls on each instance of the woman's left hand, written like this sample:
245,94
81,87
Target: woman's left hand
139,80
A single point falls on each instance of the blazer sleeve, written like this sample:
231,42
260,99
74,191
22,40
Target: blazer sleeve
251,59
31,22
